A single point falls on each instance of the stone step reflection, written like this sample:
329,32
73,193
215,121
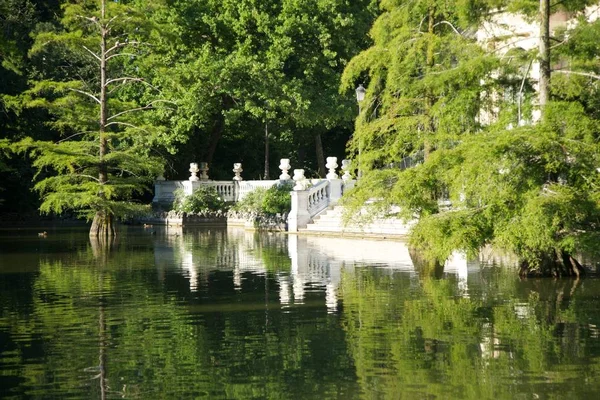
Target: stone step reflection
298,264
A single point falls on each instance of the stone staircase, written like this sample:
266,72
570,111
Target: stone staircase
330,221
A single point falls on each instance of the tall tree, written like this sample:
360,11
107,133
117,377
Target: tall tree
239,65
103,153
532,189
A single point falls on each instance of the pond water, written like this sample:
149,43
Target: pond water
224,313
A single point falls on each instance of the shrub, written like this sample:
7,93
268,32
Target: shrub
275,200
252,202
204,198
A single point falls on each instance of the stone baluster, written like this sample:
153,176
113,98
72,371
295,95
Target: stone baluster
237,169
284,166
194,170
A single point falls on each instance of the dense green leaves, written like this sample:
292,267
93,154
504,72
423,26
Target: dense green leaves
102,152
439,103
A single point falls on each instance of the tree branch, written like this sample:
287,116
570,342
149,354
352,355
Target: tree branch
73,135
86,176
118,45
451,26
146,107
92,53
121,54
87,94
562,71
124,80
94,20
128,125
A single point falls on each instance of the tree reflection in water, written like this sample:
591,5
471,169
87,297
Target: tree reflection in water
230,314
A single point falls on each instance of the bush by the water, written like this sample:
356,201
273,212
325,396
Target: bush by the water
201,200
275,200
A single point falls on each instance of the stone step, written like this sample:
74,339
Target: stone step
331,221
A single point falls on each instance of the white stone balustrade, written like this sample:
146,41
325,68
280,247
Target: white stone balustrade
309,198
318,198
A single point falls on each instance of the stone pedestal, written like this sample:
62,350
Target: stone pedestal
299,216
335,190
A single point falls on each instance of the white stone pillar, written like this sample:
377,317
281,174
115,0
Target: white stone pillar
335,190
298,217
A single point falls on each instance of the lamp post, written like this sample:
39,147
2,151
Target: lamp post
360,96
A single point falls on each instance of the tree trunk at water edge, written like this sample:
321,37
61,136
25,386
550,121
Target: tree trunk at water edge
103,225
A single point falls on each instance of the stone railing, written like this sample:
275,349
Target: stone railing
245,187
309,197
318,197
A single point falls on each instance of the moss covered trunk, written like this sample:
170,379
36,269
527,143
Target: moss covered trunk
103,225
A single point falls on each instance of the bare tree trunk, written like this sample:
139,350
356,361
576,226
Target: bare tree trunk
544,56
215,136
266,176
320,156
103,224
217,130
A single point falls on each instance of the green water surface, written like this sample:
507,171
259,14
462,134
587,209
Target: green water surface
226,314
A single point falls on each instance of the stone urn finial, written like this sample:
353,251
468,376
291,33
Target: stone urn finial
204,171
194,170
331,166
346,165
237,169
284,166
299,179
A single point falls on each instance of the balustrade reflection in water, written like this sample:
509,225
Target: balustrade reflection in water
227,313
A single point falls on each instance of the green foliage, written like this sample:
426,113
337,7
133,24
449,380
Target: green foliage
93,161
532,189
271,201
252,202
277,199
261,62
205,198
